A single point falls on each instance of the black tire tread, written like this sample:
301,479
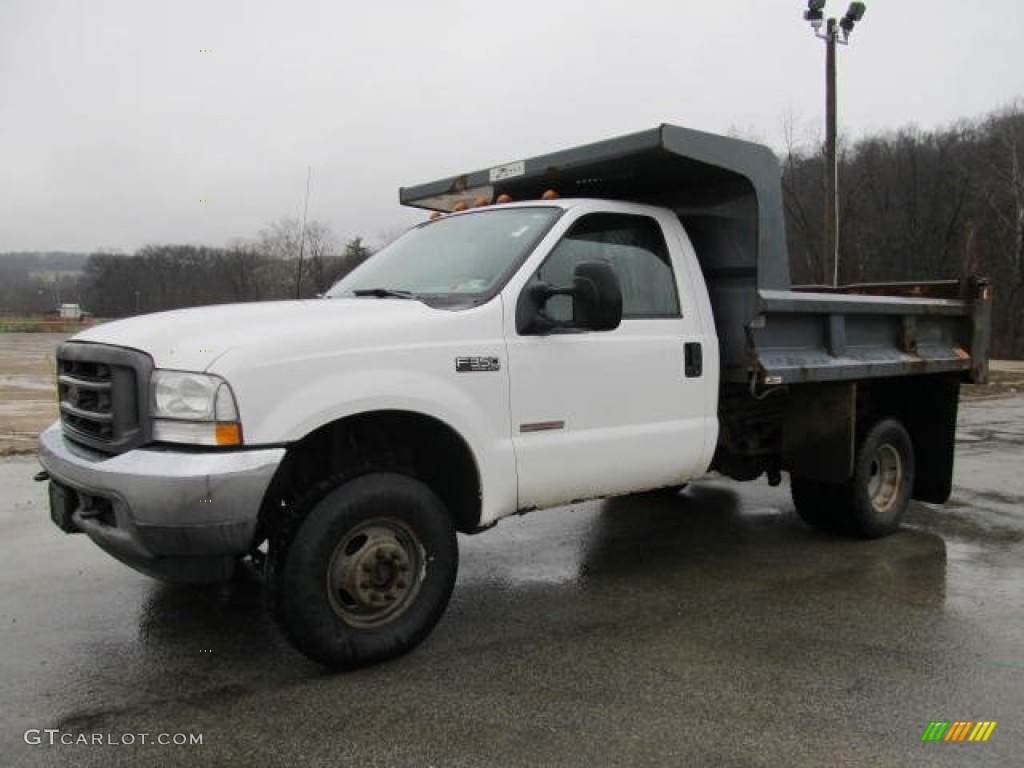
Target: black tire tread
820,505
304,622
844,508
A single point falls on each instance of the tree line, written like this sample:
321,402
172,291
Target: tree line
159,277
920,205
273,266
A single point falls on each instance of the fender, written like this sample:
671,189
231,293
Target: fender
421,379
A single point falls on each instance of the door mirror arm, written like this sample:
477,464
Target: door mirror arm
531,319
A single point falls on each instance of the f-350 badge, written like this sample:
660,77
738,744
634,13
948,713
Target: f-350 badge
477,364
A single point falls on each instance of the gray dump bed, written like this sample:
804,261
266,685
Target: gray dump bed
728,195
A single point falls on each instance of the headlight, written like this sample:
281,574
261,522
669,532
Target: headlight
194,408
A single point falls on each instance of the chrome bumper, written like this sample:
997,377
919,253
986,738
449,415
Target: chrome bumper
176,515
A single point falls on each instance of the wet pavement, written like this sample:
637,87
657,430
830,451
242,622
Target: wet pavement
707,629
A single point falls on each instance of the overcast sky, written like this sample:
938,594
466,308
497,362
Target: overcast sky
115,122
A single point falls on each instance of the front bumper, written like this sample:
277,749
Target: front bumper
182,516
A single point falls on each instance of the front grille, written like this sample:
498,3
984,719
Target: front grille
103,395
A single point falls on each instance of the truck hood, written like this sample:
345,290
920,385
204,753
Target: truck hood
193,339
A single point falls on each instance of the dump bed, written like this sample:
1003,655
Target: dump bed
728,195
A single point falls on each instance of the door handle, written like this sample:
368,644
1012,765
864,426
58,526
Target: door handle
694,364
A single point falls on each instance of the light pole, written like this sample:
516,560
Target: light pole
837,32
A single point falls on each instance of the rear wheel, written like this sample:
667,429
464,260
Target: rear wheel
871,504
368,572
883,480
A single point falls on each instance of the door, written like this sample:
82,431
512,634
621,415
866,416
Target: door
599,413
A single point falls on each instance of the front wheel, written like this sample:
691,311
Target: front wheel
367,574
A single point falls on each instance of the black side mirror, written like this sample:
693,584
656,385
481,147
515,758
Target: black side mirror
596,297
596,302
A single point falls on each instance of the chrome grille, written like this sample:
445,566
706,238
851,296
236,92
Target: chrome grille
103,395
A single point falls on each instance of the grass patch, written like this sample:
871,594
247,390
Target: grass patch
30,324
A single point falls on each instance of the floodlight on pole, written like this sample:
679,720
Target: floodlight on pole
815,16
854,14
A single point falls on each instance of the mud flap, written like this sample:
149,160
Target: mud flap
819,431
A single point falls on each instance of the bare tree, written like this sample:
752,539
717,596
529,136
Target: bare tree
803,198
279,243
1002,158
387,236
322,257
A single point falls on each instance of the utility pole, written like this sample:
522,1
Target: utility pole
837,32
302,236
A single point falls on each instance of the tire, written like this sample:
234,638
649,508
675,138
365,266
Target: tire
367,573
879,492
872,503
818,504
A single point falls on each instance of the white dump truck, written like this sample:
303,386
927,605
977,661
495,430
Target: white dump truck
632,333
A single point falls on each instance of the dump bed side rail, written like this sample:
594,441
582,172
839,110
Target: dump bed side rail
865,332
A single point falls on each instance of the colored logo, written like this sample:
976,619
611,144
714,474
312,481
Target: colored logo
958,730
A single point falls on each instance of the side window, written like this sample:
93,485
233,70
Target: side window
635,248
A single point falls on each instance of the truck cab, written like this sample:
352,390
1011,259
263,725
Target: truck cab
594,410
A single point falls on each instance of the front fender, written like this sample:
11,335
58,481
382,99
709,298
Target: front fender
474,405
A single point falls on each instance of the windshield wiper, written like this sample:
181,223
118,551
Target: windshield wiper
385,293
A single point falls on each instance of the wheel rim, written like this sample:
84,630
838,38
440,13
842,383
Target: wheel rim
886,478
375,573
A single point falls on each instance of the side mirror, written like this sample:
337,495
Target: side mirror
596,302
596,296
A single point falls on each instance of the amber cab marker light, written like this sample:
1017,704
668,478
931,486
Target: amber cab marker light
229,433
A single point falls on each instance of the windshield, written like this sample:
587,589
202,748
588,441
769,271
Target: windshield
462,260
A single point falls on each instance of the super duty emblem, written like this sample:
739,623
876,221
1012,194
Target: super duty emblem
477,364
